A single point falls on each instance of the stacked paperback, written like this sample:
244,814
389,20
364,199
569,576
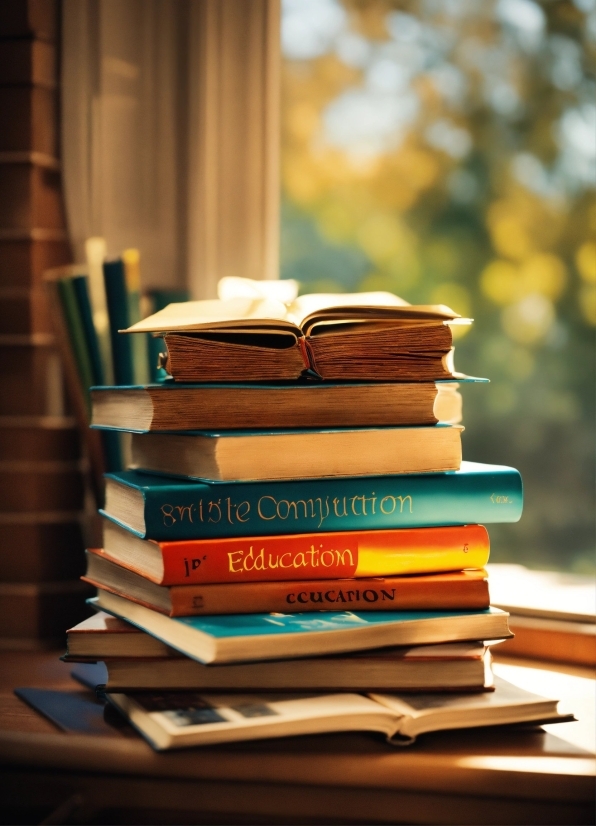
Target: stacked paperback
297,546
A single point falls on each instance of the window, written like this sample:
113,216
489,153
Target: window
446,150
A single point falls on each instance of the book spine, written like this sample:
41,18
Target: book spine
197,510
81,290
139,343
325,556
399,594
117,300
76,332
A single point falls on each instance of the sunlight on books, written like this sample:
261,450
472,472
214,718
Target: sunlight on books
578,696
539,765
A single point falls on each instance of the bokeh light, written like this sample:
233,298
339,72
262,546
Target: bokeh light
446,151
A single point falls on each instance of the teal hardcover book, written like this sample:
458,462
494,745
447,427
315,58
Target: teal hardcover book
238,637
171,509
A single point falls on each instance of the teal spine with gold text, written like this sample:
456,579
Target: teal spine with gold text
171,509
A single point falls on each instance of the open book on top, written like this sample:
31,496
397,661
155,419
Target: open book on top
367,336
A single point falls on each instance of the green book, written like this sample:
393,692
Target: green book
76,332
80,288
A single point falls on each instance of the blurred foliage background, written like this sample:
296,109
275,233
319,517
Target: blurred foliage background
446,150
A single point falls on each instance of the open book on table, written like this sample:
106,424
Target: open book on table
175,719
369,336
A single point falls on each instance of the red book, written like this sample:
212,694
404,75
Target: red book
299,556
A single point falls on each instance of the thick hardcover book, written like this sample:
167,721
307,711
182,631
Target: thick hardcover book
173,407
171,509
183,719
462,589
136,660
102,636
245,637
299,556
447,667
371,336
238,456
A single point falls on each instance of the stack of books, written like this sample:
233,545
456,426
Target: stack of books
297,518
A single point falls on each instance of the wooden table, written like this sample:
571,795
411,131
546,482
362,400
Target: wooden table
468,777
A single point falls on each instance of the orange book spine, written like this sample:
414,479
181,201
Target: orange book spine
325,555
465,590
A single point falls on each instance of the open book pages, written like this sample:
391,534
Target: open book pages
366,336
307,310
172,720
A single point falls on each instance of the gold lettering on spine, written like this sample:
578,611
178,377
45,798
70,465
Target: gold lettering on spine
402,501
327,555
383,506
216,508
167,512
259,510
340,557
248,556
182,509
242,511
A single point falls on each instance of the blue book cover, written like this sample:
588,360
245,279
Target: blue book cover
172,509
237,637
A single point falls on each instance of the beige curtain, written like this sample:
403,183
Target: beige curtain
170,135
